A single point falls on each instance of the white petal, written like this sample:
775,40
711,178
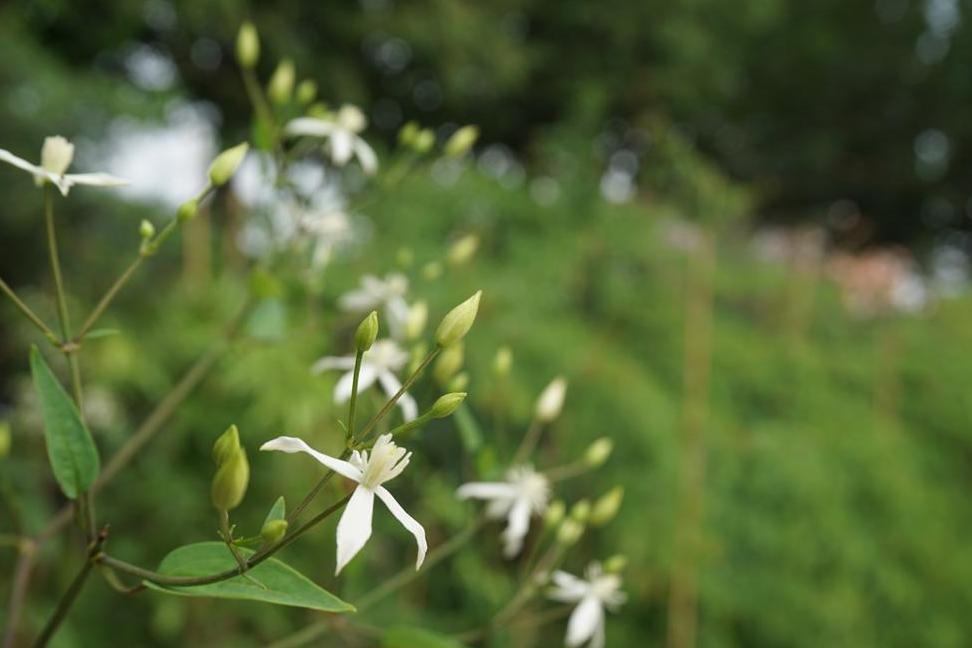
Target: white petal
309,126
486,490
597,641
397,313
568,588
366,155
518,524
21,163
293,444
584,621
354,528
95,179
391,385
342,143
358,300
333,362
407,521
342,390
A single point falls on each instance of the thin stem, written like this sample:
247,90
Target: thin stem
539,619
104,302
415,423
29,314
370,425
354,393
530,440
568,471
294,514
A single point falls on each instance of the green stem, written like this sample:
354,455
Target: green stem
568,471
354,394
530,440
370,425
29,314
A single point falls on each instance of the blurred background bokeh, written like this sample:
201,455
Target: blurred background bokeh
740,229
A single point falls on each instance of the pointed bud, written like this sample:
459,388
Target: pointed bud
187,210
247,45
463,250
551,400
273,531
615,564
570,532
405,257
447,404
306,92
424,141
281,84
581,510
458,321
418,315
607,506
408,133
230,482
5,438
599,452
448,363
461,141
367,331
432,270
459,382
226,445
503,361
146,230
555,513
226,164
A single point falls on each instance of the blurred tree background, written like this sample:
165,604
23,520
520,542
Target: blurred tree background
836,446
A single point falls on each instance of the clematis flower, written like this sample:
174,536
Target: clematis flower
370,470
386,295
592,594
379,363
342,135
56,156
524,493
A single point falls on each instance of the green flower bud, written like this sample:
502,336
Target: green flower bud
461,141
551,400
448,363
306,91
187,210
424,141
447,404
5,438
432,270
418,315
273,531
405,257
459,382
408,133
463,250
227,444
367,331
281,84
615,564
570,532
581,510
320,111
230,482
146,230
458,321
247,45
503,361
599,452
226,164
606,506
555,513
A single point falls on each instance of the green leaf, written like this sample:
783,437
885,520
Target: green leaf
272,581
268,321
278,511
411,637
70,448
469,431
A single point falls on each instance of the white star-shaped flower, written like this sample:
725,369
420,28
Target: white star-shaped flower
342,136
386,295
524,493
379,363
370,470
592,595
56,156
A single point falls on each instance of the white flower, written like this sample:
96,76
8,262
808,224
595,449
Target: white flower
378,363
592,595
342,134
56,156
381,294
524,493
370,470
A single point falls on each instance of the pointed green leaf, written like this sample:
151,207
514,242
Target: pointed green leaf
411,637
278,511
469,431
70,448
272,581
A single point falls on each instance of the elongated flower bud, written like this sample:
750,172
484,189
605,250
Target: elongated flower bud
458,321
461,141
281,85
459,382
503,361
408,133
463,250
306,92
615,564
599,452
367,331
570,532
247,45
551,400
273,531
447,404
424,141
418,315
607,506
555,513
187,210
227,444
581,510
448,363
4,439
226,164
432,270
231,480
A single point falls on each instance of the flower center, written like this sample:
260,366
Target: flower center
385,462
56,155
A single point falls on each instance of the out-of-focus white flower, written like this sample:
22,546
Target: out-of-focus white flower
592,594
387,295
341,133
551,400
524,493
370,470
56,156
379,363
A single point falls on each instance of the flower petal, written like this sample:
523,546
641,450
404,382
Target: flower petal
567,587
584,621
391,385
517,526
366,155
354,527
486,490
95,179
342,144
309,126
293,444
407,521
20,163
342,390
333,362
